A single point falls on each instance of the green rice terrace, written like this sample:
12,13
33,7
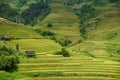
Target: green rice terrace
60,40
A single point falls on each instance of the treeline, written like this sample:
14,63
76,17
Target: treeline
87,11
7,12
71,2
8,57
36,12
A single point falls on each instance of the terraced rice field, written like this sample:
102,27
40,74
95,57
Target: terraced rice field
38,45
16,31
63,22
46,66
71,68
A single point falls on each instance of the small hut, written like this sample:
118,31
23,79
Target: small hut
30,53
6,38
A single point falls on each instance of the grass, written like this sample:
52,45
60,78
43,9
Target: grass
38,45
71,78
81,65
63,22
109,27
16,31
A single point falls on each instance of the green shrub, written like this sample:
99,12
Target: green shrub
86,53
99,2
113,50
7,12
111,35
47,33
36,10
38,31
61,41
6,76
45,74
44,33
8,58
49,25
113,0
63,52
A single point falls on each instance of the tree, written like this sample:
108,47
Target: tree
17,47
113,0
99,2
83,30
63,52
22,2
8,58
49,25
7,12
34,11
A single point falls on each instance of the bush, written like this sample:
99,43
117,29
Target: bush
34,12
47,33
61,41
113,0
45,74
44,33
7,12
8,58
6,76
63,52
111,35
49,25
99,2
113,50
86,53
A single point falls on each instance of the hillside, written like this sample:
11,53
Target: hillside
64,23
90,30
108,28
8,28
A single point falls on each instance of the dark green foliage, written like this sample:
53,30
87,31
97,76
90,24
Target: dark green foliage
6,76
49,25
22,2
17,47
71,2
99,2
113,50
61,41
83,30
63,52
38,31
44,33
47,33
35,10
86,53
45,74
87,11
8,58
113,0
7,12
111,35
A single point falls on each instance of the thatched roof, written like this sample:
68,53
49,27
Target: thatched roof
30,53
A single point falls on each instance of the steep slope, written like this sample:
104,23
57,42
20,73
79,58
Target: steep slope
102,40
64,23
15,30
96,58
109,27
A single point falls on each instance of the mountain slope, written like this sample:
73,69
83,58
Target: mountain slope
15,30
64,23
